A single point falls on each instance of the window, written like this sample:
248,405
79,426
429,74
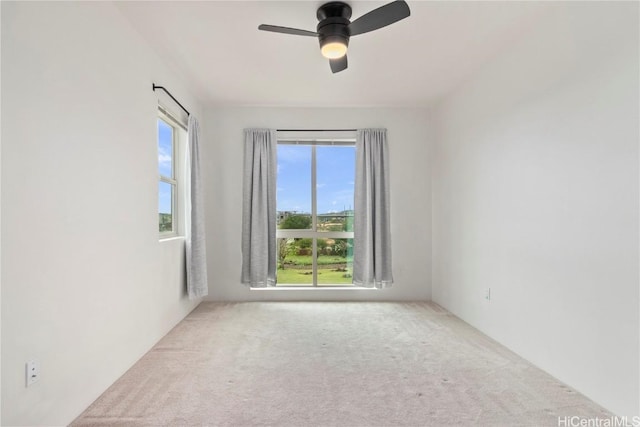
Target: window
171,135
315,189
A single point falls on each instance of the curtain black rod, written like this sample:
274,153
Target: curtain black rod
169,93
316,130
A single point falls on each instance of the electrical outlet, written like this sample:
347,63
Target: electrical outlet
487,294
32,371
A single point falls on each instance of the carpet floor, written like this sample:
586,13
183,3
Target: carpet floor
332,364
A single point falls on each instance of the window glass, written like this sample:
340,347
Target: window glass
295,266
165,149
165,207
314,236
170,137
335,261
293,191
335,183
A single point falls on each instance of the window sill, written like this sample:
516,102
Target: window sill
314,288
171,238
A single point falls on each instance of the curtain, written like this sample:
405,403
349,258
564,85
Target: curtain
196,250
371,232
259,208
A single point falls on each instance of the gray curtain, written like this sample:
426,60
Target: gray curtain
372,236
195,246
259,208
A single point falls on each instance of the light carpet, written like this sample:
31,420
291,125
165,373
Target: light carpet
332,364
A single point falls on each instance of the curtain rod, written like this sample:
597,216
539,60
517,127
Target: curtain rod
316,130
172,97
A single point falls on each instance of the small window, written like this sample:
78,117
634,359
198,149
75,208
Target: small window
170,135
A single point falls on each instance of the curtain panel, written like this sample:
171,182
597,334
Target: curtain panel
372,235
259,208
195,245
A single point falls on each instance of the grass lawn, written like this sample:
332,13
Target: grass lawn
289,277
298,271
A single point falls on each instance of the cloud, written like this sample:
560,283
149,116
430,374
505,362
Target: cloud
164,158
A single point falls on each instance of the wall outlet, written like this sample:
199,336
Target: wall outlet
487,294
33,372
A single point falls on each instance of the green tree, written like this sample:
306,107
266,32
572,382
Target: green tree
303,246
291,222
340,247
322,246
305,243
296,222
283,251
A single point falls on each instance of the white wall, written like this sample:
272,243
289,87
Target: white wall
535,195
86,287
408,134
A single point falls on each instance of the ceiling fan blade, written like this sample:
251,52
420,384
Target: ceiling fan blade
287,30
380,17
338,64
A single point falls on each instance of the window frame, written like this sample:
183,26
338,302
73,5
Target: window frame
313,233
176,181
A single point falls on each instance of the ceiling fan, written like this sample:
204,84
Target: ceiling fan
335,29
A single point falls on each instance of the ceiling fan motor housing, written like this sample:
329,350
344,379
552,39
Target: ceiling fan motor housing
334,23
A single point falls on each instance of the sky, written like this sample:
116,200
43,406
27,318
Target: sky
165,134
334,180
335,175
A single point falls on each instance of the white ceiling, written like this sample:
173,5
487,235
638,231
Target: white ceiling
217,46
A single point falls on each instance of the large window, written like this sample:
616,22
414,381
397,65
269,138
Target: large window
315,185
170,136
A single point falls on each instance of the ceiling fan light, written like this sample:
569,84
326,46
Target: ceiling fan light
333,50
